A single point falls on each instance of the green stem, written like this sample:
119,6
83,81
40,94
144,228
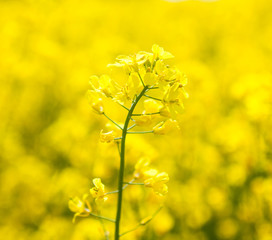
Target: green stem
124,187
153,98
131,127
141,79
131,230
143,132
143,114
133,183
122,164
106,233
101,217
142,224
116,124
123,106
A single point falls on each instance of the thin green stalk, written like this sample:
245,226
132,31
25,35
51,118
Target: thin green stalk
122,164
142,114
131,230
101,217
143,132
123,106
133,183
116,124
141,79
131,126
106,233
124,187
142,224
153,98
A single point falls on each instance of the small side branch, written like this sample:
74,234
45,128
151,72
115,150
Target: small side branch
116,124
157,99
143,222
131,126
130,183
101,217
141,79
124,187
143,114
143,132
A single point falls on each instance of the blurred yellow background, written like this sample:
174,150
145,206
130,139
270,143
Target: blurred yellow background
220,166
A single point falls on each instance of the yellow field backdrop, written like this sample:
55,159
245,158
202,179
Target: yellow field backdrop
220,165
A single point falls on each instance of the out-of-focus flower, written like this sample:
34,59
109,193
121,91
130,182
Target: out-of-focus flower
104,85
78,206
142,170
159,53
172,99
98,191
158,183
107,137
96,102
130,62
151,106
143,120
166,127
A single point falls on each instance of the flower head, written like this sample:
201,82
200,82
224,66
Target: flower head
107,137
166,127
158,183
98,191
96,101
78,206
142,169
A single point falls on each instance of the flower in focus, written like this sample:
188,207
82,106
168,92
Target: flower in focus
158,183
77,206
98,191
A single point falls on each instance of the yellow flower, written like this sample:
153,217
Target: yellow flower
77,206
143,120
141,166
172,99
98,191
104,85
107,137
164,112
132,63
159,53
142,169
151,106
96,102
150,79
165,127
158,183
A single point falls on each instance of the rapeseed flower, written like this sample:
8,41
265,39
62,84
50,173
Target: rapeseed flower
98,191
78,206
158,183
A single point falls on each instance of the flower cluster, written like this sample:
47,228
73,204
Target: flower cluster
145,80
82,207
151,177
164,93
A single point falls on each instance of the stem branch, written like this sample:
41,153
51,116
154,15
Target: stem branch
116,124
122,164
